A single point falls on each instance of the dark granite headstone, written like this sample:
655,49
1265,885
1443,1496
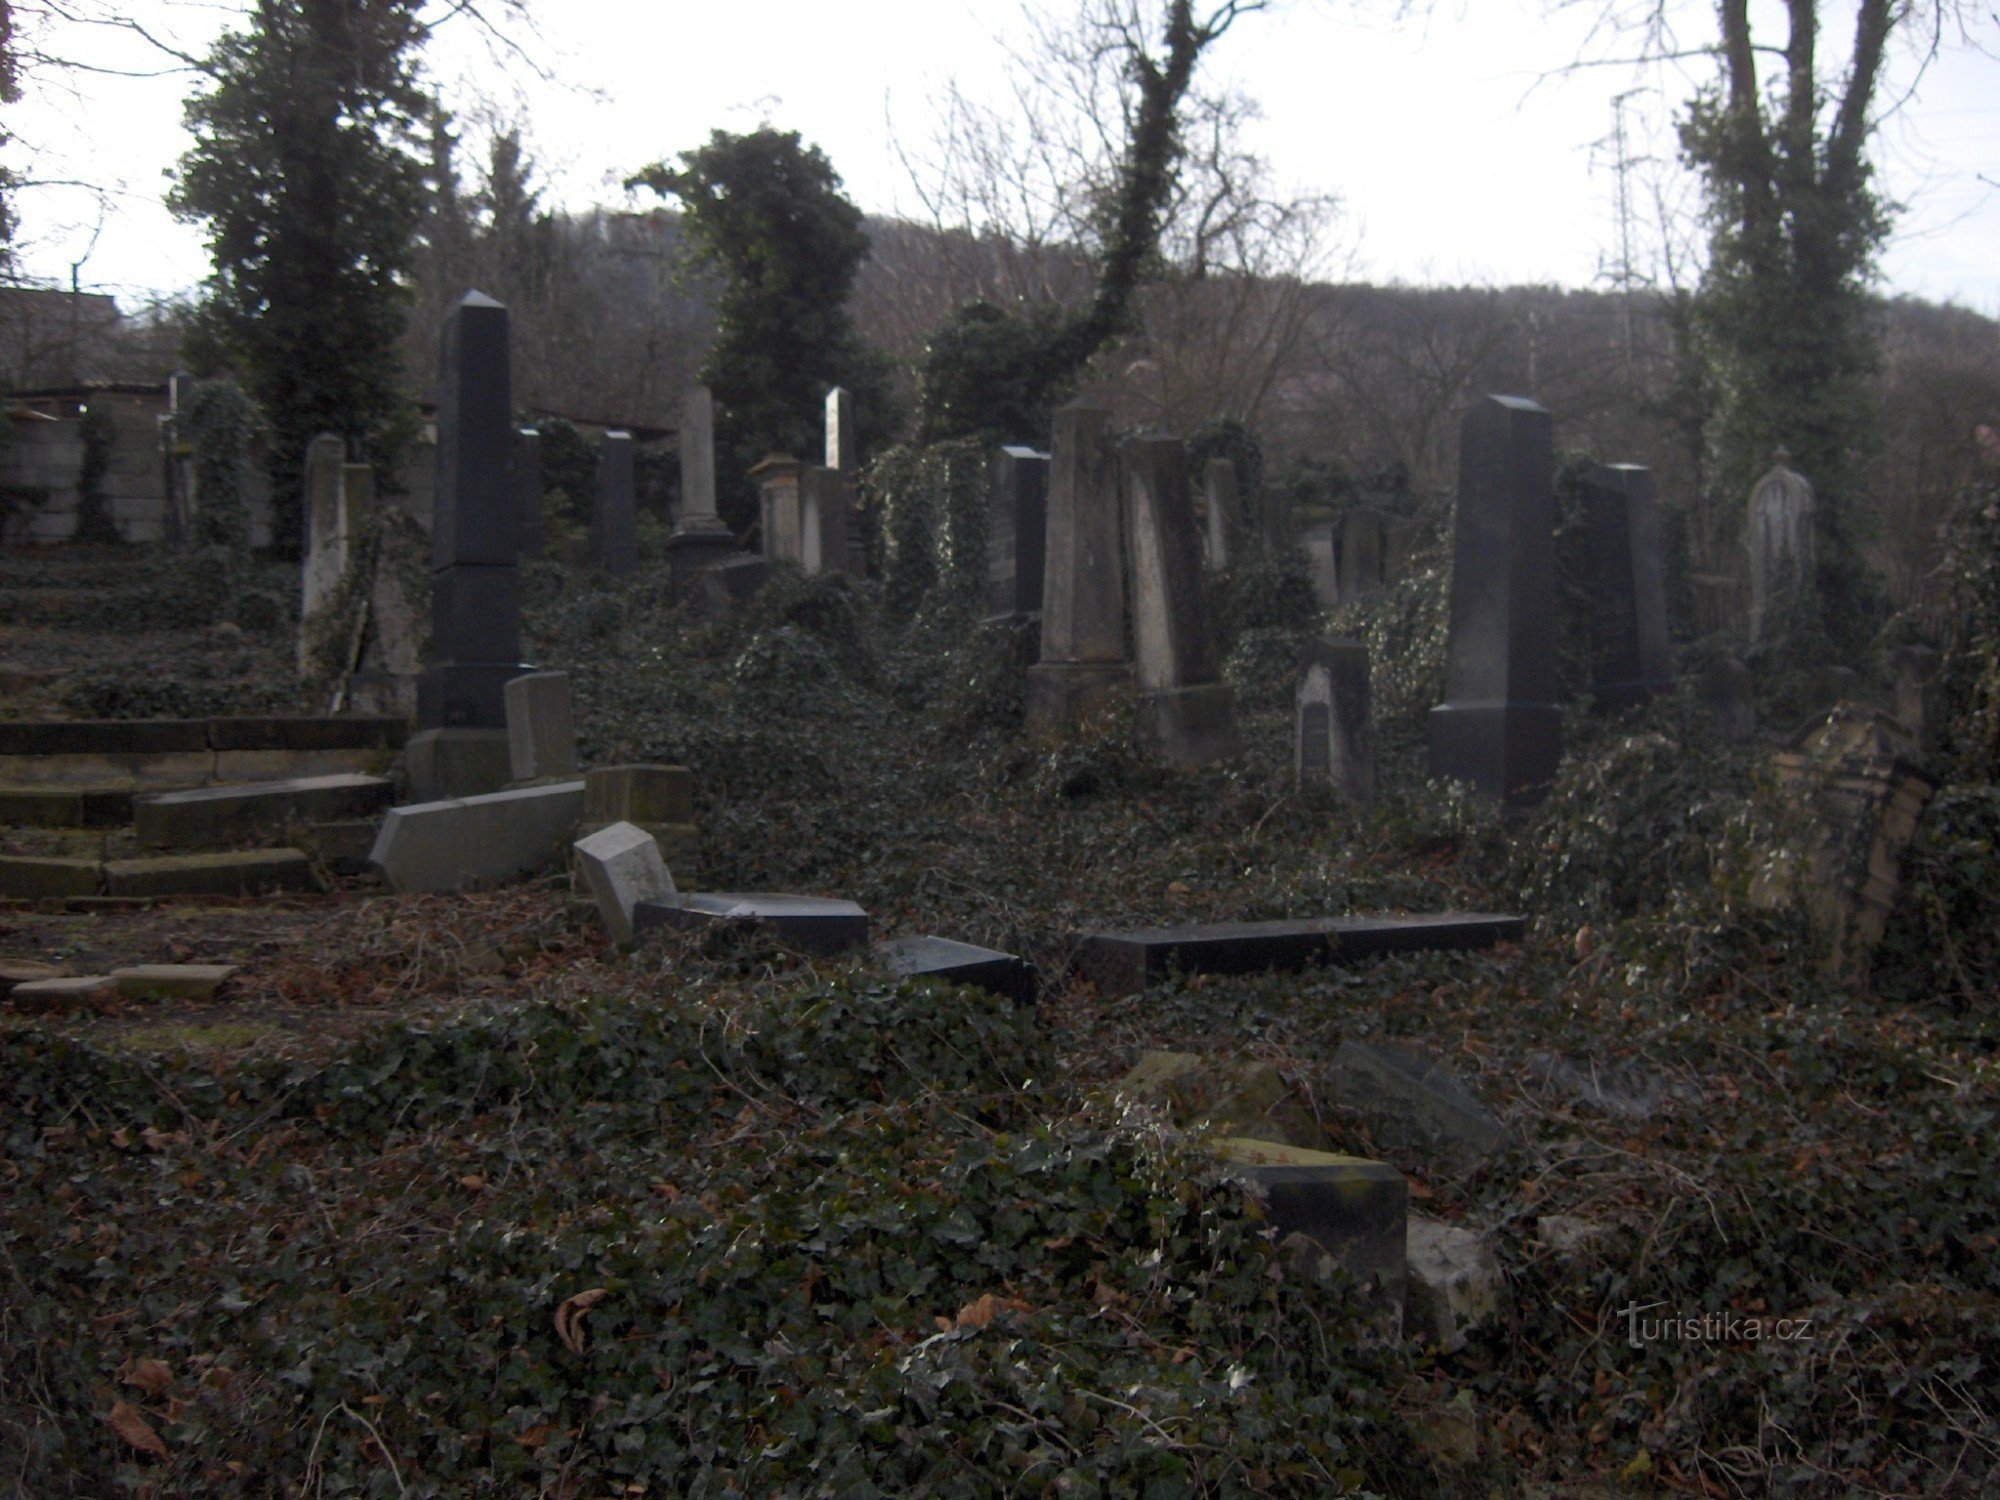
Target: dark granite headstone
614,518
1499,728
959,963
1628,591
819,925
1083,666
528,490
475,592
1017,494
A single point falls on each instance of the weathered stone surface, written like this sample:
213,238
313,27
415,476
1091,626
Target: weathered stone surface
614,513
54,996
780,509
1350,1207
623,866
473,841
1244,1097
1573,1240
1414,1105
1499,729
1123,963
1456,1285
819,925
1628,590
823,520
953,962
541,733
1784,553
1322,562
246,872
680,843
1082,668
698,516
343,846
20,971
65,806
1335,739
172,981
458,762
25,877
639,794
1017,498
843,450
1222,512
308,733
206,817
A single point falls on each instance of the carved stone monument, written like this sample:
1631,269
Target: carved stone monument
700,537
1336,736
1628,590
1190,713
1083,666
1499,728
780,515
1784,552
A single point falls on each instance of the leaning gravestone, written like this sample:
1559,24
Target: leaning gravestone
614,518
1414,1105
1336,738
1190,713
1222,510
1017,495
701,538
1083,666
1784,552
475,645
1499,728
1627,584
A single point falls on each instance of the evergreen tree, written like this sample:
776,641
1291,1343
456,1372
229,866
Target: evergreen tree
308,172
765,213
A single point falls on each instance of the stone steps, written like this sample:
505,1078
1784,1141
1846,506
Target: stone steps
214,816
241,872
160,754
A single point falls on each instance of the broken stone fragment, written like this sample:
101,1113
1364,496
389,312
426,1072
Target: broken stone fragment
1456,1285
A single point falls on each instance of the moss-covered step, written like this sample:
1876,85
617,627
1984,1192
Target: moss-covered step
212,816
245,872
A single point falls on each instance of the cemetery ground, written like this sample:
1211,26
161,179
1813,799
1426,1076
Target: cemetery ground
444,1195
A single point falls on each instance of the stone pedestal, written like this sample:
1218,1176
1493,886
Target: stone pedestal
1500,729
781,519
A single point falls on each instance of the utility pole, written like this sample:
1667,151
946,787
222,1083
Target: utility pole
1623,275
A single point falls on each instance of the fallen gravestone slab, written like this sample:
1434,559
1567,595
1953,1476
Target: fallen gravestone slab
819,925
1123,963
466,841
1351,1208
172,981
1414,1105
1004,974
1455,1284
15,972
48,996
623,866
216,815
1240,1097
248,872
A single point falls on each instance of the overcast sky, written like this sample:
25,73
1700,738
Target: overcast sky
1456,156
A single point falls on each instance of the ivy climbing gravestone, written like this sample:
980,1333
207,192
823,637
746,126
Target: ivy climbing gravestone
460,748
1499,728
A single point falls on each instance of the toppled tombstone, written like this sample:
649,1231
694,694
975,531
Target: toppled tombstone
1003,974
1413,1105
1346,1207
818,925
1455,1284
1856,792
461,842
1240,1097
623,866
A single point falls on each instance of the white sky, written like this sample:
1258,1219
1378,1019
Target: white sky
1454,164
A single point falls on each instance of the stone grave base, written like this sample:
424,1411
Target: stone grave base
1062,694
1192,726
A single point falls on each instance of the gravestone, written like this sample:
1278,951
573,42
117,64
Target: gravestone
841,450
1784,552
1189,712
701,538
528,491
954,962
824,521
1322,562
623,866
1628,590
1083,666
1222,510
779,508
1361,553
326,540
1499,728
541,731
1336,738
475,644
1017,495
843,460
819,925
614,517
456,843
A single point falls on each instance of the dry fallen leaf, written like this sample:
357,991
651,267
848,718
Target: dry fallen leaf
979,1314
535,1436
569,1316
135,1429
473,1181
150,1375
